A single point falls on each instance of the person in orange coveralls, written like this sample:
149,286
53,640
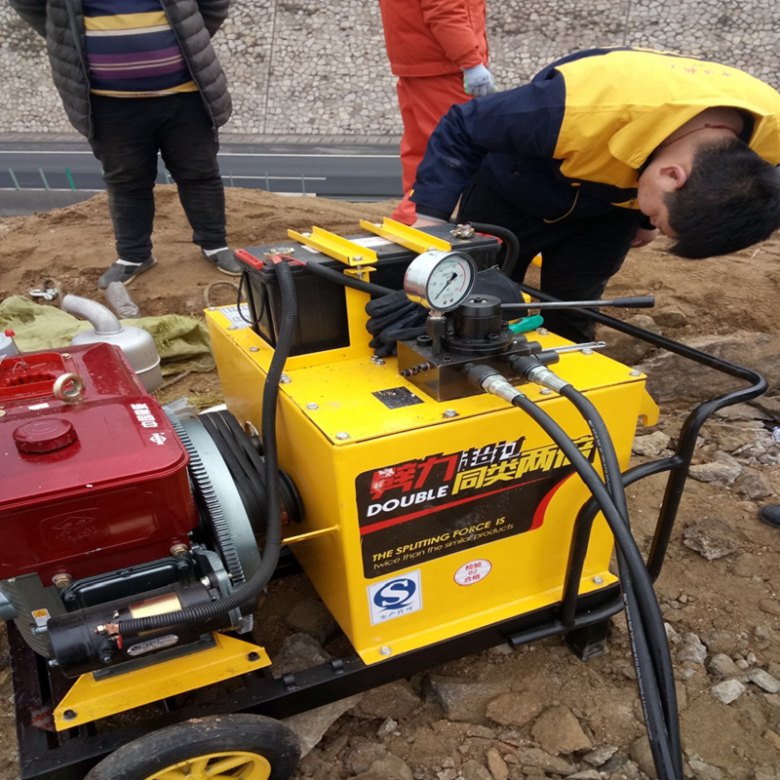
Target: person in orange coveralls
438,50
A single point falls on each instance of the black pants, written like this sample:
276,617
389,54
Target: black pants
128,134
579,255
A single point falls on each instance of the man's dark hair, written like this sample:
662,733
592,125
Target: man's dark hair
730,200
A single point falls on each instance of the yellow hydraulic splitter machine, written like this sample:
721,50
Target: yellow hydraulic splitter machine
451,494
465,492
431,509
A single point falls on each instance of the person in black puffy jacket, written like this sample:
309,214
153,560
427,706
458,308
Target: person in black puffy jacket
138,77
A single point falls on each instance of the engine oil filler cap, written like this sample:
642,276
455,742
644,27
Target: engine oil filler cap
47,435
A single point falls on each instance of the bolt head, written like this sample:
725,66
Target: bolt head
61,580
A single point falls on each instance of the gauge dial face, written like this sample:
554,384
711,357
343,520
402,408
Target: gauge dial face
440,280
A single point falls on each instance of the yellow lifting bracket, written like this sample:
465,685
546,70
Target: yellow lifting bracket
417,241
91,699
349,252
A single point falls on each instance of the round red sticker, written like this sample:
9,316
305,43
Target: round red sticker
473,571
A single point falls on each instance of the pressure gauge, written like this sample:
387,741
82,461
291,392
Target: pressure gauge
440,280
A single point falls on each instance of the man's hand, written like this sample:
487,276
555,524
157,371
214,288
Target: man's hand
644,237
478,81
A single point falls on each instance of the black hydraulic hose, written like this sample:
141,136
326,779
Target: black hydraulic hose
650,620
249,591
693,422
666,762
511,249
632,565
318,269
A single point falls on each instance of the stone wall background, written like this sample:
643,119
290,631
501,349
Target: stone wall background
312,68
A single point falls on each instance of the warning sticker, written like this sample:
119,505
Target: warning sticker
239,316
423,509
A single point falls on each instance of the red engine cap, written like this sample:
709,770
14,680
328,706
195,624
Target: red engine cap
45,435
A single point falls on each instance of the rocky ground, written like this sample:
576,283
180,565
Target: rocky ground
535,711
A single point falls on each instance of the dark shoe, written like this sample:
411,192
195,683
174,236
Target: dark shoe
124,271
770,514
225,261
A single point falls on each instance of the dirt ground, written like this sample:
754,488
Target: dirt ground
730,603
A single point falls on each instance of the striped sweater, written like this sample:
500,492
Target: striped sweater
132,51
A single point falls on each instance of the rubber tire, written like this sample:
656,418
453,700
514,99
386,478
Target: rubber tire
190,739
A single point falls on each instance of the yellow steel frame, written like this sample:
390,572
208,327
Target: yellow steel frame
417,241
335,246
90,698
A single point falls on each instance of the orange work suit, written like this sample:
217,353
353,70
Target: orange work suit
428,43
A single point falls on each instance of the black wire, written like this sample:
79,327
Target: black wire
510,246
258,312
648,637
331,275
633,564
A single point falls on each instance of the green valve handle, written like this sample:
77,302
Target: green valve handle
526,324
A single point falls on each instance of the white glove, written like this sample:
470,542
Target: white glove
478,81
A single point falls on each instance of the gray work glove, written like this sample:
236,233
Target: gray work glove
478,81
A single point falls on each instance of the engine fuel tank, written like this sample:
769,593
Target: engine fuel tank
94,477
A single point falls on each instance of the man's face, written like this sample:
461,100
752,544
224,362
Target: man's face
660,179
651,198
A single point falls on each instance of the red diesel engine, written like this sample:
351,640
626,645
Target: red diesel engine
111,509
94,476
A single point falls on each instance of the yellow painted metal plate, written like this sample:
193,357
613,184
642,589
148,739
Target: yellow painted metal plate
342,397
332,245
336,388
408,237
90,699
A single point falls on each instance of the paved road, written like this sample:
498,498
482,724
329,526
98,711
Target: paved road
44,172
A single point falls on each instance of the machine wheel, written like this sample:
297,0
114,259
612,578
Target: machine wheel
221,747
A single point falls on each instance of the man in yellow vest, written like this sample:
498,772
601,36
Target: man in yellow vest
600,152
